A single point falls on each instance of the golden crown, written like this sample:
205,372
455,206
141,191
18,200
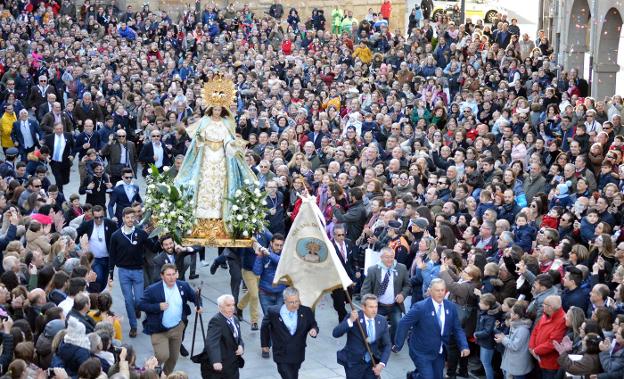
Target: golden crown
220,91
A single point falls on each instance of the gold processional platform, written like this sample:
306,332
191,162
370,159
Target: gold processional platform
212,233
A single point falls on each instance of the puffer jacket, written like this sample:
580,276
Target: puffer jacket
516,358
484,331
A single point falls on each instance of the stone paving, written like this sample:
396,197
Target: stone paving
320,360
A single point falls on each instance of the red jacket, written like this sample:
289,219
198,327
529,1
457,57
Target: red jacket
386,9
541,342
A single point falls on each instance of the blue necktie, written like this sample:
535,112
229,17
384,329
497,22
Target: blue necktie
439,315
58,155
370,330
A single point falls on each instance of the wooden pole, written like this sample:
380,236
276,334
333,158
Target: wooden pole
368,348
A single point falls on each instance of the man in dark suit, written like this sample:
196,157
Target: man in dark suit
165,304
87,109
86,140
120,154
99,231
277,212
96,186
316,135
345,251
355,357
223,349
62,146
287,327
56,115
123,195
39,94
390,283
433,320
25,134
155,153
172,254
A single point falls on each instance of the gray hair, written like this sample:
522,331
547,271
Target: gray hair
70,232
367,297
507,236
386,250
290,291
437,281
222,299
96,342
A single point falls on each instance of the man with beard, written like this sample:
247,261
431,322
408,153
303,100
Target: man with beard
96,186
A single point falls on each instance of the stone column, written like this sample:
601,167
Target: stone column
603,82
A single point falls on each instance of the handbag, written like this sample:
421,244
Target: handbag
199,358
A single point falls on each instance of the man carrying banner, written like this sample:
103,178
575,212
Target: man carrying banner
287,327
346,254
356,355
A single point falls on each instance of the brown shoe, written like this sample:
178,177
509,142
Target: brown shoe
133,333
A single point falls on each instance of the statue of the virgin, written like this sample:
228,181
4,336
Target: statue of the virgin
214,166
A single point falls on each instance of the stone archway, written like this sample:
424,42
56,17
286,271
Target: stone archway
577,39
606,60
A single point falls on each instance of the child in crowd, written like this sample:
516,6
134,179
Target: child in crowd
517,360
524,232
490,312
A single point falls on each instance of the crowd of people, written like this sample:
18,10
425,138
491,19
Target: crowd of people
484,174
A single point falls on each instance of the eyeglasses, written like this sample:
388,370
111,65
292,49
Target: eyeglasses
43,81
293,302
155,135
98,217
339,235
121,136
128,177
35,186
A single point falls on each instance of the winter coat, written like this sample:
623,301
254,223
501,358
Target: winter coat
587,365
611,362
37,241
70,357
587,231
534,185
484,331
548,329
524,236
516,358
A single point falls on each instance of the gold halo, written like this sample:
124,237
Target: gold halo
219,91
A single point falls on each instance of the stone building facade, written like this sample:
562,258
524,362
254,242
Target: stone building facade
578,28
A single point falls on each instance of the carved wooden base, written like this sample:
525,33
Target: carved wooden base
212,233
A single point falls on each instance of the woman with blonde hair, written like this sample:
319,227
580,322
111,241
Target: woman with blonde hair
579,254
296,162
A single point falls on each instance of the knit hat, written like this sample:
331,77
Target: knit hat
422,223
75,334
563,190
53,327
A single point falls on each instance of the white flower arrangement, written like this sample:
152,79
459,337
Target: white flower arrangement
169,207
248,211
